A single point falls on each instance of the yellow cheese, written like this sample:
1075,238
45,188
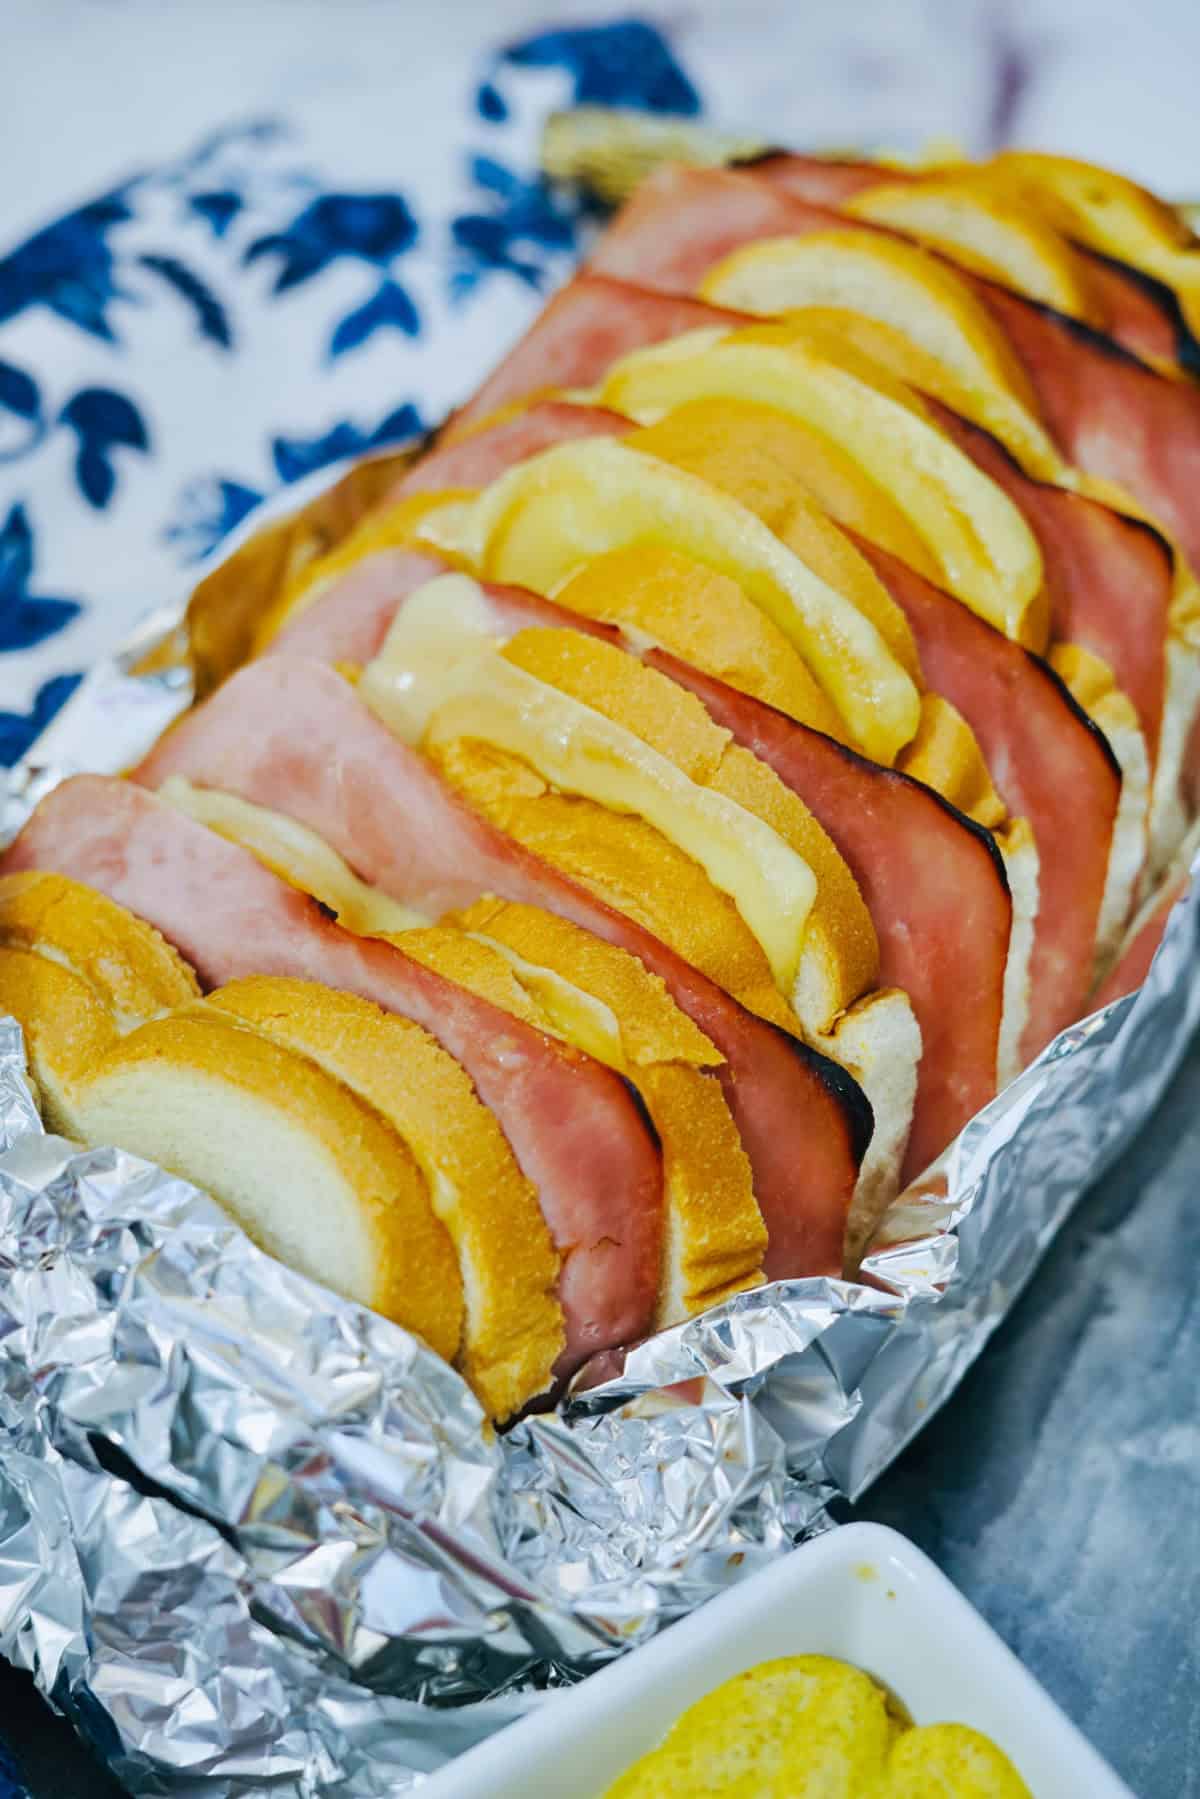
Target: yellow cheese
440,676
293,852
958,351
1001,239
542,520
984,551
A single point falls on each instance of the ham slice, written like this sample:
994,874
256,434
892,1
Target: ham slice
1112,415
573,1126
1134,964
320,756
1050,764
587,319
934,883
474,460
1109,577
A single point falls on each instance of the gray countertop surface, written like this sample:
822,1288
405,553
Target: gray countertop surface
1059,1489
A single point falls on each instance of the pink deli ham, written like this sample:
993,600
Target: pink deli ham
1134,963
1050,765
1109,577
319,755
573,1125
549,354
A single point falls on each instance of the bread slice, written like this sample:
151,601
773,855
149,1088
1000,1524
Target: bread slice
128,965
76,970
310,1171
513,1325
66,1027
605,1001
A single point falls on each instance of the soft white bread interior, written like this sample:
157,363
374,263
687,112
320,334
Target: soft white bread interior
879,1042
308,1169
1015,841
513,1326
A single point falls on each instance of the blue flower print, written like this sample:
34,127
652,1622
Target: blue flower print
26,618
373,228
388,305
209,508
623,63
218,209
68,267
21,400
103,421
298,456
212,320
19,729
525,223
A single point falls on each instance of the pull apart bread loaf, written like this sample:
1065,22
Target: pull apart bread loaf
618,847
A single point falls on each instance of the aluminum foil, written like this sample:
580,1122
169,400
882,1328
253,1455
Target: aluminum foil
254,1538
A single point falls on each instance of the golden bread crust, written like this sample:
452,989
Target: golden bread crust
66,1027
126,962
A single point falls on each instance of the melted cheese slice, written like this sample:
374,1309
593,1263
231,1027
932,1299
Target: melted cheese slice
544,519
1108,213
955,348
441,676
984,551
294,853
998,238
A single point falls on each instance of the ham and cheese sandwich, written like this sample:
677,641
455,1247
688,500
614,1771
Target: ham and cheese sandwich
620,844
933,882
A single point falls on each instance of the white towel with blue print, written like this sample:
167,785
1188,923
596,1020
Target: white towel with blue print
280,296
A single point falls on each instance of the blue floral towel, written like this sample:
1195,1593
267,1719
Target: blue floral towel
176,349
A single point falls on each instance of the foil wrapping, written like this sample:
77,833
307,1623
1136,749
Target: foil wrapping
254,1538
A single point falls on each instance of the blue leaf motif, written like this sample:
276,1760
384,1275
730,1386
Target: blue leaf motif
209,509
490,103
69,267
212,321
371,228
388,305
19,729
218,209
298,456
102,419
397,427
19,392
525,224
623,63
26,619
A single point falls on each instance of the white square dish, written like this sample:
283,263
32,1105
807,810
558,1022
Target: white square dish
862,1593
